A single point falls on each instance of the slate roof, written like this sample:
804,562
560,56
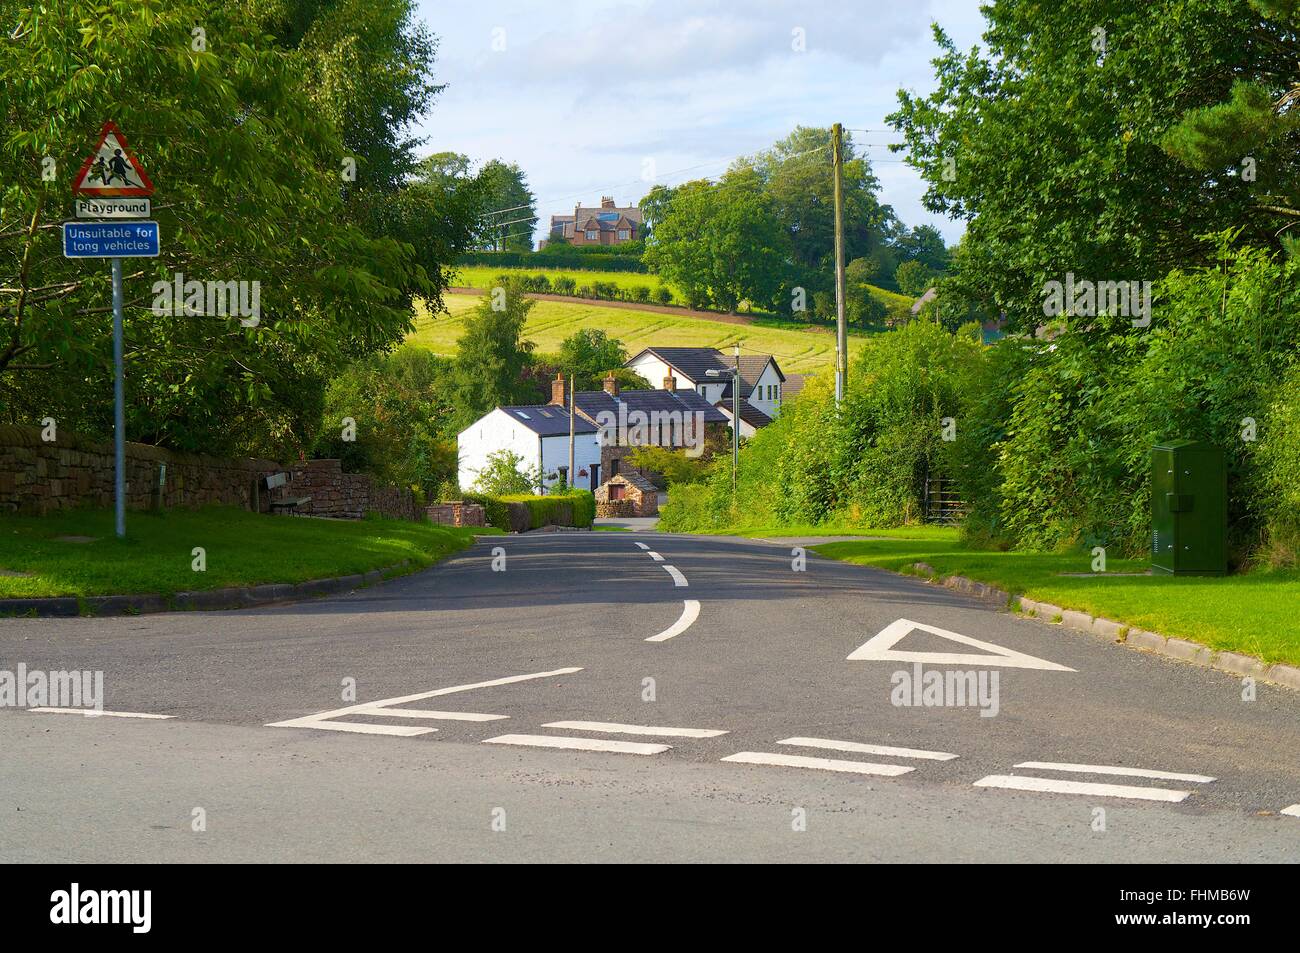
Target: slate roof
749,414
792,386
547,420
592,402
692,363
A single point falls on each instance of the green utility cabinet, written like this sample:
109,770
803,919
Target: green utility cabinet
1189,509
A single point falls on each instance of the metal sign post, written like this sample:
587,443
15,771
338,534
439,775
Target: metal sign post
119,406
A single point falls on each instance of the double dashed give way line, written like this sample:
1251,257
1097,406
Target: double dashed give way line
690,607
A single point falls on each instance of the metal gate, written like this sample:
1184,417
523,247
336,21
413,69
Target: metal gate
943,503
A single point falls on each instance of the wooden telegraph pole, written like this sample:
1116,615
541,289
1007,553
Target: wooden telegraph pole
841,335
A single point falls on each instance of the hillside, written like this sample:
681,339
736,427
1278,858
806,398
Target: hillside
798,349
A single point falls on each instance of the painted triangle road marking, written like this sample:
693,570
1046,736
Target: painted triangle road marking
112,169
880,648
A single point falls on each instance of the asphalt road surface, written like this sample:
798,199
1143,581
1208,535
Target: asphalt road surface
510,704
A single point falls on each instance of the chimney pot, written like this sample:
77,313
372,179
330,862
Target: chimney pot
670,382
558,395
611,384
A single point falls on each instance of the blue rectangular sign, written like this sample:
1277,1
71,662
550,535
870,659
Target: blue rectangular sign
110,239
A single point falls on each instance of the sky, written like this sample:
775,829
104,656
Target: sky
608,97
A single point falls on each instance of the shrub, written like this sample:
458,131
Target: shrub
663,295
584,291
641,293
563,285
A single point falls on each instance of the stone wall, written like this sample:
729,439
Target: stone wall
38,477
458,514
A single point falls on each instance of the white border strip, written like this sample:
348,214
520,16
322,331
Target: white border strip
678,579
614,728
821,764
1292,811
577,744
1058,786
1109,769
690,612
94,713
885,750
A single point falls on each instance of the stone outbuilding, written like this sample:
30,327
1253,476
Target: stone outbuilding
627,494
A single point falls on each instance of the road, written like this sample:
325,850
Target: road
509,705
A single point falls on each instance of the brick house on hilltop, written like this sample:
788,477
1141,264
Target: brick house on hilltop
606,225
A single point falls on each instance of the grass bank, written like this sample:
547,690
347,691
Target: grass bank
240,549
1255,613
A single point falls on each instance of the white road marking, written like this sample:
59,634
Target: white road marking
93,713
885,750
821,764
655,556
678,578
1058,786
577,744
383,706
690,612
1109,769
615,728
436,715
642,545
1293,810
880,648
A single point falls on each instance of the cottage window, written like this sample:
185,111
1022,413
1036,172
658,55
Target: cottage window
591,235
624,234
617,491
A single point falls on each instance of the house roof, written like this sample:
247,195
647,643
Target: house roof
694,363
631,213
635,479
751,369
547,420
921,302
748,414
592,402
792,386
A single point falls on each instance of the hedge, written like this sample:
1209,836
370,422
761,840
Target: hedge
522,512
588,261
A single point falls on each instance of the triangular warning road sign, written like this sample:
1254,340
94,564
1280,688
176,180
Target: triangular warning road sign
880,648
112,169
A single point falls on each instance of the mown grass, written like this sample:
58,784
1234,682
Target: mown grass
241,548
797,349
1254,613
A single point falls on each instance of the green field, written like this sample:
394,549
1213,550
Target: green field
1253,613
482,276
241,549
798,349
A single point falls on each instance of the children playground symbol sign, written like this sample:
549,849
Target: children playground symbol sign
112,183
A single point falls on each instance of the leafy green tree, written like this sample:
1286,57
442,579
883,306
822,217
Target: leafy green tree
1050,142
914,278
923,244
509,216
588,354
247,171
506,475
492,357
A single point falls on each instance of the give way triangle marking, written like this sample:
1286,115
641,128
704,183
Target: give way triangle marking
880,648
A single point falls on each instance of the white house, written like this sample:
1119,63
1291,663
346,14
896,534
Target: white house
539,435
761,380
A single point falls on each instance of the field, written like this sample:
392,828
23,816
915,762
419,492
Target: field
482,276
797,349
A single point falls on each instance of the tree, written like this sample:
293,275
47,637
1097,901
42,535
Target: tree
492,357
588,354
722,244
923,244
1051,145
231,135
505,475
914,278
509,215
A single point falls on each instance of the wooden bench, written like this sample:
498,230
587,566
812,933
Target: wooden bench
283,503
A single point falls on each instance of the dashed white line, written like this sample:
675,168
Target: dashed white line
856,746
642,545
1111,769
616,728
1293,810
690,612
434,715
821,764
578,744
360,728
678,578
655,556
93,713
1059,786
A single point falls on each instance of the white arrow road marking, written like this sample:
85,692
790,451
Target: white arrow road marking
384,706
821,764
1058,786
655,556
678,579
642,545
884,750
577,744
93,713
1111,769
1293,810
690,612
880,648
614,728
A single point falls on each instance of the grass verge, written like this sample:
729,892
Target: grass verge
1253,613
240,549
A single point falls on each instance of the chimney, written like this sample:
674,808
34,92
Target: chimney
670,382
607,201
611,384
558,395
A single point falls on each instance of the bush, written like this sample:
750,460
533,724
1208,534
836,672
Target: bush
520,512
584,291
641,293
675,466
663,295
563,285
605,290
539,284
567,258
